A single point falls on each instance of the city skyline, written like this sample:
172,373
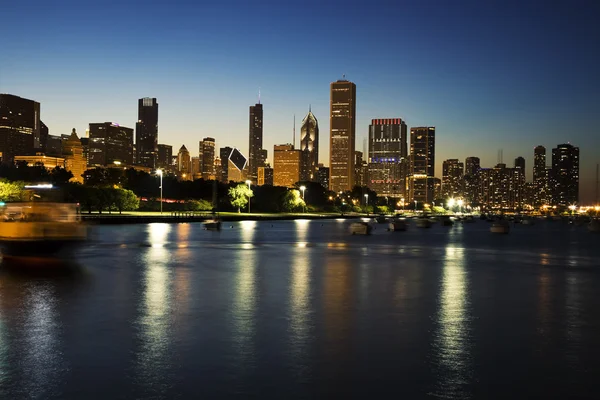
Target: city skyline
485,86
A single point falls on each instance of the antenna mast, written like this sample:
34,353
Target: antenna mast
259,95
294,140
597,170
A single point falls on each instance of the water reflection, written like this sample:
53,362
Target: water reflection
154,322
41,355
453,356
574,322
300,309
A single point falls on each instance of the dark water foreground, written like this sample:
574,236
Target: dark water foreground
300,309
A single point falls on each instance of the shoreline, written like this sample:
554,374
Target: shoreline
117,219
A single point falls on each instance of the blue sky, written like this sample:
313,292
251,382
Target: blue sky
489,75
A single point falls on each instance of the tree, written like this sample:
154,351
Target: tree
60,176
125,200
240,195
11,191
292,201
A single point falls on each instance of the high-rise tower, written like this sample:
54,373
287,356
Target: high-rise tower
309,146
387,157
565,175
422,164
256,140
540,176
342,126
146,133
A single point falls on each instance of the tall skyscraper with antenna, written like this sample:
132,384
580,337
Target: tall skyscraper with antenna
309,146
342,135
255,154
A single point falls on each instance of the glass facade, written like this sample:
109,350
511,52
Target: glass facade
342,135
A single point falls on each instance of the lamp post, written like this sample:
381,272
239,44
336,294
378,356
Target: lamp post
415,206
160,173
248,182
302,189
367,203
402,200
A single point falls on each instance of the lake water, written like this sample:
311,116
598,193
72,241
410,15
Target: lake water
302,309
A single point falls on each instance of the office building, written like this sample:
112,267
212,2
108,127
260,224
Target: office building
53,146
265,176
387,159
323,176
224,154
72,152
309,146
165,156
422,164
218,170
358,169
286,165
49,162
237,170
540,177
342,126
146,133
110,143
452,179
207,158
44,132
565,175
184,163
500,189
196,168
19,127
471,182
256,140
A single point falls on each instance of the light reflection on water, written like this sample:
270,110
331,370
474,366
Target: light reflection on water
300,310
452,342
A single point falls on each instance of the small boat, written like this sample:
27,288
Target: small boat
527,221
212,225
360,228
381,219
398,225
594,226
423,223
446,221
500,226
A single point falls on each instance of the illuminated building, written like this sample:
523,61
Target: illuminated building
323,176
44,133
49,162
500,188
286,165
184,163
387,161
165,156
85,145
196,168
146,133
218,170
358,169
75,161
19,126
452,178
110,142
540,176
471,181
309,145
422,164
53,146
565,175
265,176
237,170
342,135
256,140
207,158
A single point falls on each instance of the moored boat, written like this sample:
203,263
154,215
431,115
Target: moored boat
360,228
500,226
446,221
398,225
423,223
212,224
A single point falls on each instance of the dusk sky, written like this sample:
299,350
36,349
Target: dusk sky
488,75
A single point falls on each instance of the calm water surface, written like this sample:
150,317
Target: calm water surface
301,309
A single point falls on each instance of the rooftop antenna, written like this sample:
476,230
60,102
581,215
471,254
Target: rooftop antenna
309,108
259,95
294,139
597,170
500,156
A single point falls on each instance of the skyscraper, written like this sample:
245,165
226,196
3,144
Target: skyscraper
422,164
256,140
309,145
286,165
387,159
265,176
565,174
342,125
146,132
19,126
165,155
184,162
207,158
110,143
452,178
471,179
540,176
72,151
224,153
472,165
237,170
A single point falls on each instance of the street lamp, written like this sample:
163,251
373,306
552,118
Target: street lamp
402,200
415,205
160,173
367,202
248,182
302,189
